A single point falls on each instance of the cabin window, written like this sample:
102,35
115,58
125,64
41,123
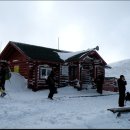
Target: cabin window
44,72
16,68
65,71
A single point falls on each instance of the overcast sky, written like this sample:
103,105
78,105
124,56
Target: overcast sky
78,24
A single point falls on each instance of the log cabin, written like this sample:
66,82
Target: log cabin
35,63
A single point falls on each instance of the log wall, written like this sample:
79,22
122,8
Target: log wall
110,84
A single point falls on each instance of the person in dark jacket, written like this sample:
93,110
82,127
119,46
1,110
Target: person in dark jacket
51,84
99,83
122,88
2,78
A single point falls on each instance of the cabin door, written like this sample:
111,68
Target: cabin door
73,72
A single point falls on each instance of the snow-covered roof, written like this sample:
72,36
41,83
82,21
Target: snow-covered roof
64,56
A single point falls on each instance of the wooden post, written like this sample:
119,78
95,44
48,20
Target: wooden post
79,75
79,71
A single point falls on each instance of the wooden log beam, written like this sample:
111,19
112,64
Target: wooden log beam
120,109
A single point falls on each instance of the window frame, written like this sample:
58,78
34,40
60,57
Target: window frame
45,70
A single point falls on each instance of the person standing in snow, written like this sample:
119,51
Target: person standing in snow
2,78
99,83
122,88
51,85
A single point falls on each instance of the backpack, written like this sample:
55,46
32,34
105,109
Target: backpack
7,73
127,97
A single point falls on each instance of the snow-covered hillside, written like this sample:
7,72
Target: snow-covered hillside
120,68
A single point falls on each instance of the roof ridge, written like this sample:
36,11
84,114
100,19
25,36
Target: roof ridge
54,49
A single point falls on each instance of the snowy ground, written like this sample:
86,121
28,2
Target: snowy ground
23,108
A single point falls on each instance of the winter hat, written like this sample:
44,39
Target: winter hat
121,76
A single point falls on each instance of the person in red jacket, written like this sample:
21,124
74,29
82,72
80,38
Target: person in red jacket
122,88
